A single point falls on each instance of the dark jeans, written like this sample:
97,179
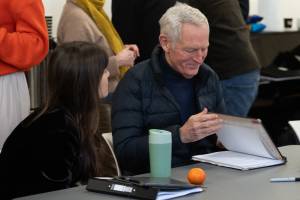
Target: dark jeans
240,92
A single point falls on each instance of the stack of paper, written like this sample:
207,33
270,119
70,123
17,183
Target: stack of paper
176,193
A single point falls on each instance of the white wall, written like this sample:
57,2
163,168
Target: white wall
274,12
53,8
253,6
107,7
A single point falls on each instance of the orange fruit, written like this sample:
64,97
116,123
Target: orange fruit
196,176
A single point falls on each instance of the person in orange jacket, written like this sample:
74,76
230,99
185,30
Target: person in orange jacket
23,44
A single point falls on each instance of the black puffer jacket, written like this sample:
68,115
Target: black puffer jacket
141,102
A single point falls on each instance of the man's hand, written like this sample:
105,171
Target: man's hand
199,126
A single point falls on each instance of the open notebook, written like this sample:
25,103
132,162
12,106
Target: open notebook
249,145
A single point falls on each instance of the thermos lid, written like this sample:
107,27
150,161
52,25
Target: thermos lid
157,136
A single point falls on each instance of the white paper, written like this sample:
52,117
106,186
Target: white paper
296,126
237,160
177,193
243,135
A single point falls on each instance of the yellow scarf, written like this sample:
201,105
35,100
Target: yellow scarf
94,8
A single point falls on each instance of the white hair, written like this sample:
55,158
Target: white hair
171,22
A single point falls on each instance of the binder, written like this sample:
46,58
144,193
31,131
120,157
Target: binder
122,188
140,187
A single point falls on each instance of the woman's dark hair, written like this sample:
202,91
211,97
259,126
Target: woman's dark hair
74,73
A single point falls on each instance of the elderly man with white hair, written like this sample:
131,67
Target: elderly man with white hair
174,90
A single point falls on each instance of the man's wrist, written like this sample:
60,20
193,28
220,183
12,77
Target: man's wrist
181,134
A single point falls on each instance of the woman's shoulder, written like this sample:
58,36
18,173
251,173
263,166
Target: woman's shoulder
75,24
56,123
56,118
51,137
73,13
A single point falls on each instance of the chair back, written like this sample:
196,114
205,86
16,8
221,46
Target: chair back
105,120
109,140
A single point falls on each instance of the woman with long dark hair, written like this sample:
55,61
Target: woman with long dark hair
58,146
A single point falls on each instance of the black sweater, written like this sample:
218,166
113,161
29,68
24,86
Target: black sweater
41,157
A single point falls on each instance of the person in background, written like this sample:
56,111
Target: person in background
137,22
173,90
57,146
231,53
85,20
23,44
244,4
